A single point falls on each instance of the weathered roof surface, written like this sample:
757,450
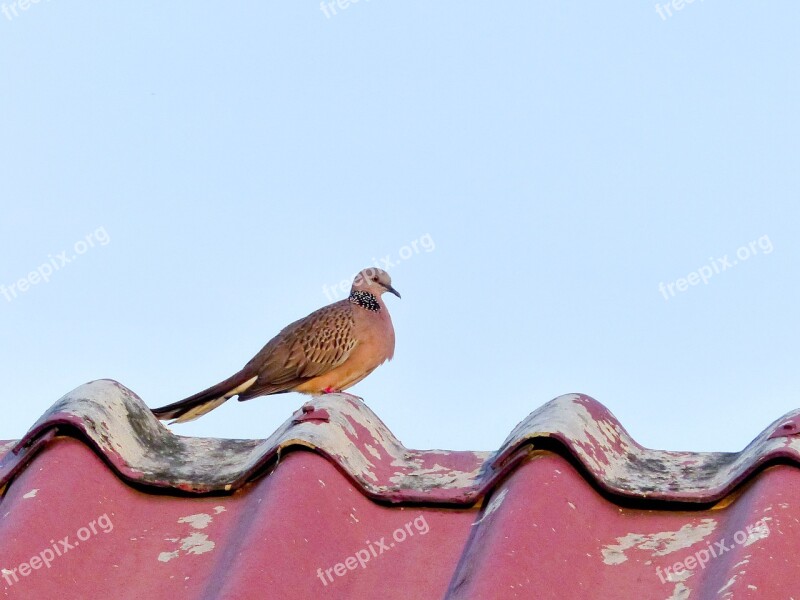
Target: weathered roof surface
332,505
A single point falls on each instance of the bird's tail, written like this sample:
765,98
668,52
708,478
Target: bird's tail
204,402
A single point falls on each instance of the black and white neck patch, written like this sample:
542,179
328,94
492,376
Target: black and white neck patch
365,300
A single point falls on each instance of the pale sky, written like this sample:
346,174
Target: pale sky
571,197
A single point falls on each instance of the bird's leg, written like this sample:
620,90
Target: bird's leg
332,390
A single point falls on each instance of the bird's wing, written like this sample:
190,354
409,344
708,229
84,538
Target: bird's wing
309,347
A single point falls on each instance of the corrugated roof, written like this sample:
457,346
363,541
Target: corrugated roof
332,505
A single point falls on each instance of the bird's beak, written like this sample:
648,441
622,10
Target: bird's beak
393,291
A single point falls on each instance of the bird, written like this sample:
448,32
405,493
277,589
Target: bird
328,351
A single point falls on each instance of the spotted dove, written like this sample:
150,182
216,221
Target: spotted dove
330,350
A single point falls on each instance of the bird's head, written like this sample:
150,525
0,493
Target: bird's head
375,281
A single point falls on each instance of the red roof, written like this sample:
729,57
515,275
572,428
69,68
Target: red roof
101,501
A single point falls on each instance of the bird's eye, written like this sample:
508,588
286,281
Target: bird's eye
374,279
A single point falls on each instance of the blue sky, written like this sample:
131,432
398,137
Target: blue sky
208,170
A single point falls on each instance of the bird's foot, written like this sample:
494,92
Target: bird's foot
332,390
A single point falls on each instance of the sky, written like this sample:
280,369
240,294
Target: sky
570,197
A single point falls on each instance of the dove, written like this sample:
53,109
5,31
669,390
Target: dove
330,350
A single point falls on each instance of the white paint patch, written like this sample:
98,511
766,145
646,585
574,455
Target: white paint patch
168,556
197,543
198,521
602,442
743,562
681,592
730,582
759,531
31,494
493,505
439,476
659,544
372,450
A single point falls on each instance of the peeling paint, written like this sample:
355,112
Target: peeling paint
194,543
659,544
356,439
742,562
437,476
168,556
681,592
31,494
372,450
198,521
493,505
758,531
601,439
729,583
197,543
143,450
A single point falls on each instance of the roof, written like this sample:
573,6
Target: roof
101,500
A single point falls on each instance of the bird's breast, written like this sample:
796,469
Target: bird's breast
375,334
